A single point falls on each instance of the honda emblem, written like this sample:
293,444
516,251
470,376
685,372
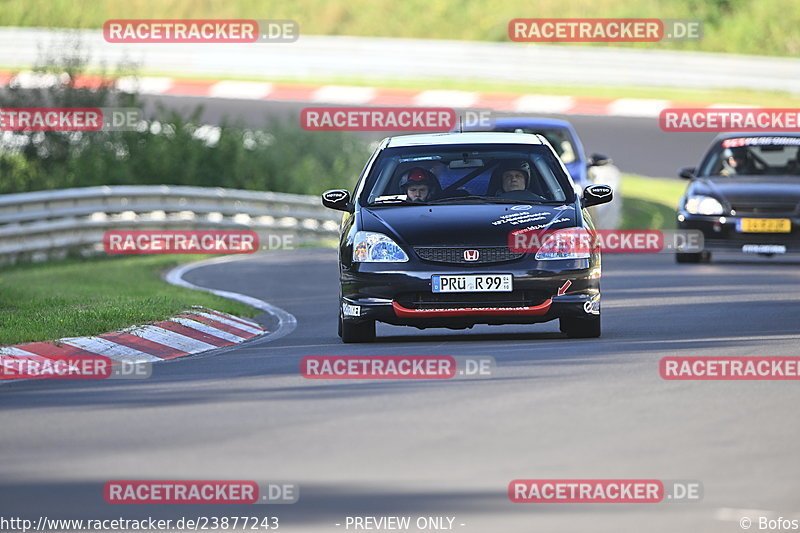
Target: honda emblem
471,255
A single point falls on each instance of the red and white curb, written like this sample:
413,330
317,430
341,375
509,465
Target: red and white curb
353,95
196,331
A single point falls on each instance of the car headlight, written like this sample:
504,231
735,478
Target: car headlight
565,244
703,205
370,247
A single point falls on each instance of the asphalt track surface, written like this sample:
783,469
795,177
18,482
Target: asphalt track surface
637,145
556,408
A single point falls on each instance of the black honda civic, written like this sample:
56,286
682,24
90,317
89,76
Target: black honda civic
427,237
744,196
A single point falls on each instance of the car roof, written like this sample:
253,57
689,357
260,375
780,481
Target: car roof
440,139
532,122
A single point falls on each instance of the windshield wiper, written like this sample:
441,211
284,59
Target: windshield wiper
486,200
459,198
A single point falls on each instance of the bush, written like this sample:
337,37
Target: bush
171,149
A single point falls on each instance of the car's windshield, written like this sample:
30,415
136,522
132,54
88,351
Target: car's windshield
467,174
559,138
753,156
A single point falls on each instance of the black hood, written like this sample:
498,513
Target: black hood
462,225
750,189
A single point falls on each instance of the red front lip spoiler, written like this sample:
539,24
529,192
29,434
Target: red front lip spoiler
537,310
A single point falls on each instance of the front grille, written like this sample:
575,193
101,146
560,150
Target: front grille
486,255
429,300
764,208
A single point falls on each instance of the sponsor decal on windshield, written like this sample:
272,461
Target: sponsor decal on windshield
761,141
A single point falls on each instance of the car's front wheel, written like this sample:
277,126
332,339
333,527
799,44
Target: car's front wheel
352,332
581,328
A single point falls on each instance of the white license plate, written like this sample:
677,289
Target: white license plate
763,248
472,283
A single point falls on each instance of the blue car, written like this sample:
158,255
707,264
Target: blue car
562,136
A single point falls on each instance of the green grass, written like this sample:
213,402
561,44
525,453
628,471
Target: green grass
649,203
47,301
736,26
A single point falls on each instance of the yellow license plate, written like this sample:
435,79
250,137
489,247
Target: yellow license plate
765,225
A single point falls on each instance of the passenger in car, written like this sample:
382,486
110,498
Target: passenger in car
515,178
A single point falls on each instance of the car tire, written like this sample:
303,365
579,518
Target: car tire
701,257
354,332
581,328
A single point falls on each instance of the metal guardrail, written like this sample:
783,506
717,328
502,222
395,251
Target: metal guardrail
41,225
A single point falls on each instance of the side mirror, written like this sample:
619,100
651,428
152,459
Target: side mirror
687,173
596,195
338,199
598,160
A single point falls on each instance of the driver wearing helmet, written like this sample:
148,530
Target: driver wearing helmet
736,161
419,185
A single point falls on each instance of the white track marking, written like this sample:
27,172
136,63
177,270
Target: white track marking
170,338
205,328
439,98
286,321
338,94
108,348
241,90
229,322
544,103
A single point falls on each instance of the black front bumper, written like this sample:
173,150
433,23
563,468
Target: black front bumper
720,233
396,294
